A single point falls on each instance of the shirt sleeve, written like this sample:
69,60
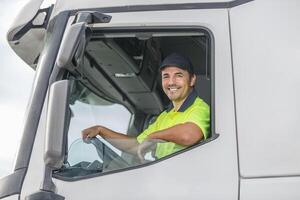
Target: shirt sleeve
201,117
150,129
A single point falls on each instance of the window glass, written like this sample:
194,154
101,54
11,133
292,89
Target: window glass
86,115
93,155
96,155
145,95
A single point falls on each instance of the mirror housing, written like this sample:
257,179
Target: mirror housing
73,45
75,39
58,117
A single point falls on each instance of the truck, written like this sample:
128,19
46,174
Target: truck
97,62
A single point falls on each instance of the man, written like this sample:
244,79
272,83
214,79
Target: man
183,124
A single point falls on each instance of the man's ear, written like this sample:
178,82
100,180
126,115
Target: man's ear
193,80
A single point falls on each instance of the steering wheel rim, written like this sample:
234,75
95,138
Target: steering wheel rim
97,144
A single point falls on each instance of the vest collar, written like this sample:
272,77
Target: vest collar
187,102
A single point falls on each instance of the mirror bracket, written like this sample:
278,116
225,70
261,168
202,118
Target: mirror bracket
91,17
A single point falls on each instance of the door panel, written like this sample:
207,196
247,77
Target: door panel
209,171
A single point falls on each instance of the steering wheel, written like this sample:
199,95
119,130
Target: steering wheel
106,154
98,145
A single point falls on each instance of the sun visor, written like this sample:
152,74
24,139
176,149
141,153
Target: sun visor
26,34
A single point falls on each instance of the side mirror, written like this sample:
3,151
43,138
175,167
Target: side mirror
73,45
76,37
58,116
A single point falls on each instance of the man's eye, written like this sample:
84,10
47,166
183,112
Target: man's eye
179,75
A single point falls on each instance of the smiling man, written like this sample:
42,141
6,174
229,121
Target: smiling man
185,122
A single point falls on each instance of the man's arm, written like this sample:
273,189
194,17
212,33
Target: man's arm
118,140
185,134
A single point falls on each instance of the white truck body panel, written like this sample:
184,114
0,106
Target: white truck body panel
256,83
265,39
35,173
270,188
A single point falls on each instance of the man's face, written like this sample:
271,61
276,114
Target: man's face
177,83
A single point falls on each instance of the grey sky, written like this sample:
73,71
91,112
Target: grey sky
16,79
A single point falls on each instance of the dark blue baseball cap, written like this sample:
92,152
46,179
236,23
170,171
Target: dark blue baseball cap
179,61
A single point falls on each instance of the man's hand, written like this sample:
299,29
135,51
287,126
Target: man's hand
121,141
90,132
148,145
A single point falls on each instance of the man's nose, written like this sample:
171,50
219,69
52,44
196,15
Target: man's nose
171,80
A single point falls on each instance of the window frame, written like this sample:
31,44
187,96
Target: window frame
211,64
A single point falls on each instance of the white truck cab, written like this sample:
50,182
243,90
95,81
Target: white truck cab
97,62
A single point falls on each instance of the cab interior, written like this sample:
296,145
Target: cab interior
123,67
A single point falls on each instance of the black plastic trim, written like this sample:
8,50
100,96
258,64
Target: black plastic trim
160,7
236,3
11,184
19,34
44,195
95,64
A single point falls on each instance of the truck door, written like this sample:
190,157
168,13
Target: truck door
208,170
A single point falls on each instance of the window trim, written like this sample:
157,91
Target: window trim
168,7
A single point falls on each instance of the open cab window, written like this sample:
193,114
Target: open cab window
118,85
